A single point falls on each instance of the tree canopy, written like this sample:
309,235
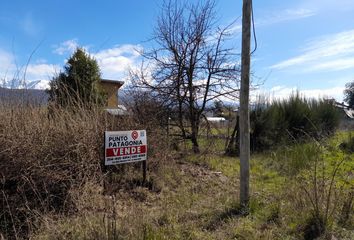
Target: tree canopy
79,83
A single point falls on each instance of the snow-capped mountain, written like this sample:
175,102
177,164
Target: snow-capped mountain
20,84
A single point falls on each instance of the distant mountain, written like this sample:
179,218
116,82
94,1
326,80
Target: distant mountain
23,96
19,84
39,84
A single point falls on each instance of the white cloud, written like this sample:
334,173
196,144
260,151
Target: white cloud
37,74
41,71
285,15
330,53
115,62
334,65
7,64
329,5
67,47
335,92
283,92
236,28
277,17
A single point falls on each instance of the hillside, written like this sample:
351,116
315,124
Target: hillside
23,96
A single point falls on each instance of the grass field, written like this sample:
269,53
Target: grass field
196,197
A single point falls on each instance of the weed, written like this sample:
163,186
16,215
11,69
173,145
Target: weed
348,144
321,194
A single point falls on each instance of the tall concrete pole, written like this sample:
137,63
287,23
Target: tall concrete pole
244,104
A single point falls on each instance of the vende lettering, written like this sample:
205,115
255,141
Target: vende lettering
113,152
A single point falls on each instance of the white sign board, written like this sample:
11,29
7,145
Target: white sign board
125,146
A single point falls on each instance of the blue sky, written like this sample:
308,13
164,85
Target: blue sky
302,44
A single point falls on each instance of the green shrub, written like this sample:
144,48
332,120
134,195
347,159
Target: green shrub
292,119
325,117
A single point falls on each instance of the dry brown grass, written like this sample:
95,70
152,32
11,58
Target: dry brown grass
46,157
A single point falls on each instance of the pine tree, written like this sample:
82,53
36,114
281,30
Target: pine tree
79,83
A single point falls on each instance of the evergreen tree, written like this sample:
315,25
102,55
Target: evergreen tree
79,83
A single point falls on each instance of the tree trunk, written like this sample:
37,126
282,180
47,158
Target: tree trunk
180,120
195,144
194,135
232,147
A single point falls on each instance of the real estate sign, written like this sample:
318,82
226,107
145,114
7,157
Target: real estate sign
125,146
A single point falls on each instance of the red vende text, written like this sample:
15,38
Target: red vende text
123,151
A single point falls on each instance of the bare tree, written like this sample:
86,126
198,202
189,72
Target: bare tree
190,64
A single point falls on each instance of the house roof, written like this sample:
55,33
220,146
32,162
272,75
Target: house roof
349,112
341,105
112,81
216,119
121,110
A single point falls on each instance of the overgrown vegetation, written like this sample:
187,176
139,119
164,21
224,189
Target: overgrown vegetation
293,119
47,157
53,186
194,198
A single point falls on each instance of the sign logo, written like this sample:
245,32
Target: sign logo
135,135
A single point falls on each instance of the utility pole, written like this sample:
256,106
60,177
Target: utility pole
244,104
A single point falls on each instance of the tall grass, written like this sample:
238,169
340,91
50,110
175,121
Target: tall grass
294,119
42,157
46,154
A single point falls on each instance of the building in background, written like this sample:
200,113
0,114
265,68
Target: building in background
111,87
